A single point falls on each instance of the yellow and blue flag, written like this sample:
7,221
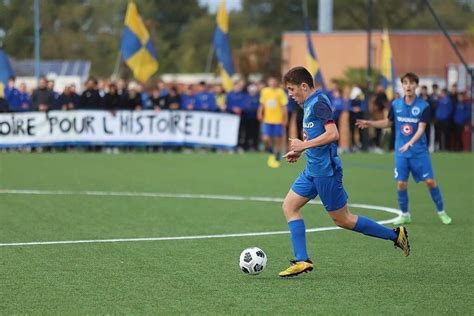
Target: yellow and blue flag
222,47
137,48
311,60
386,66
6,70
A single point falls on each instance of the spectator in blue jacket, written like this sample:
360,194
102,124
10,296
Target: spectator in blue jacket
188,98
339,104
12,96
443,115
235,103
236,98
461,118
205,100
251,123
25,98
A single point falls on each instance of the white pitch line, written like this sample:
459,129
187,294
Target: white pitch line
175,195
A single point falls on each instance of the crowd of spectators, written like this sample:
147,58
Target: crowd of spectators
451,109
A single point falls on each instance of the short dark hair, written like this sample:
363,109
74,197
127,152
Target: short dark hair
298,75
411,77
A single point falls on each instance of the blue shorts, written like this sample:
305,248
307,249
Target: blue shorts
330,189
272,130
419,166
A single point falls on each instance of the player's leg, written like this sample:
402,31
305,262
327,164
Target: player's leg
334,198
266,134
437,198
367,226
278,142
401,176
291,209
422,170
267,142
300,193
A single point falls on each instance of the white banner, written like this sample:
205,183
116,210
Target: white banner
121,128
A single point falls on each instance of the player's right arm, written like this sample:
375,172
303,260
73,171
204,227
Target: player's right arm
377,124
387,122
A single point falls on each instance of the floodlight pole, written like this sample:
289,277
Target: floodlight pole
369,46
368,92
469,70
37,40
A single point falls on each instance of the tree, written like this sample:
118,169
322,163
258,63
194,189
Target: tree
182,30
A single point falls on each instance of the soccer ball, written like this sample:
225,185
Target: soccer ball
253,260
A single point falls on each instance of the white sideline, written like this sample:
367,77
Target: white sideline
181,196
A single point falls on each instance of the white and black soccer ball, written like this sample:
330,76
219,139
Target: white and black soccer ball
253,260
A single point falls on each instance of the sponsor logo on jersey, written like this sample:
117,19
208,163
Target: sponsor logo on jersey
308,125
407,119
407,129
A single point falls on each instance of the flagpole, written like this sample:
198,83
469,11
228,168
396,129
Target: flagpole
210,55
115,74
37,40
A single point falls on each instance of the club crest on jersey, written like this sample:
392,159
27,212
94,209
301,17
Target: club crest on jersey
407,129
306,114
305,136
415,111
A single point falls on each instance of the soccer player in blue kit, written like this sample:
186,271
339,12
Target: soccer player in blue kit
410,115
322,175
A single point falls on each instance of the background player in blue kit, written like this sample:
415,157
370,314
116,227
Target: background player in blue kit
410,115
322,175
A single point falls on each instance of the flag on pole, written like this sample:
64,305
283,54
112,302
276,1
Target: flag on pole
222,47
6,70
386,66
311,59
137,48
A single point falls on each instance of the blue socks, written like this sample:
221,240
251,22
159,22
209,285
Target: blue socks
437,198
369,227
277,156
403,200
298,239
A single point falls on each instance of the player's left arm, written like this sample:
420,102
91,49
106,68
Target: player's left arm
330,135
323,112
425,118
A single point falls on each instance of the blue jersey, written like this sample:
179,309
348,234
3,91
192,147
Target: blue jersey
322,161
406,119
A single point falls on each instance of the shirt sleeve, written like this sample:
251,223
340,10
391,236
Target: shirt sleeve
426,115
390,114
322,110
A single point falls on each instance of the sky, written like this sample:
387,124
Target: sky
231,4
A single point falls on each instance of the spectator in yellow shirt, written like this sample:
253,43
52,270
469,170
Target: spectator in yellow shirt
273,114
